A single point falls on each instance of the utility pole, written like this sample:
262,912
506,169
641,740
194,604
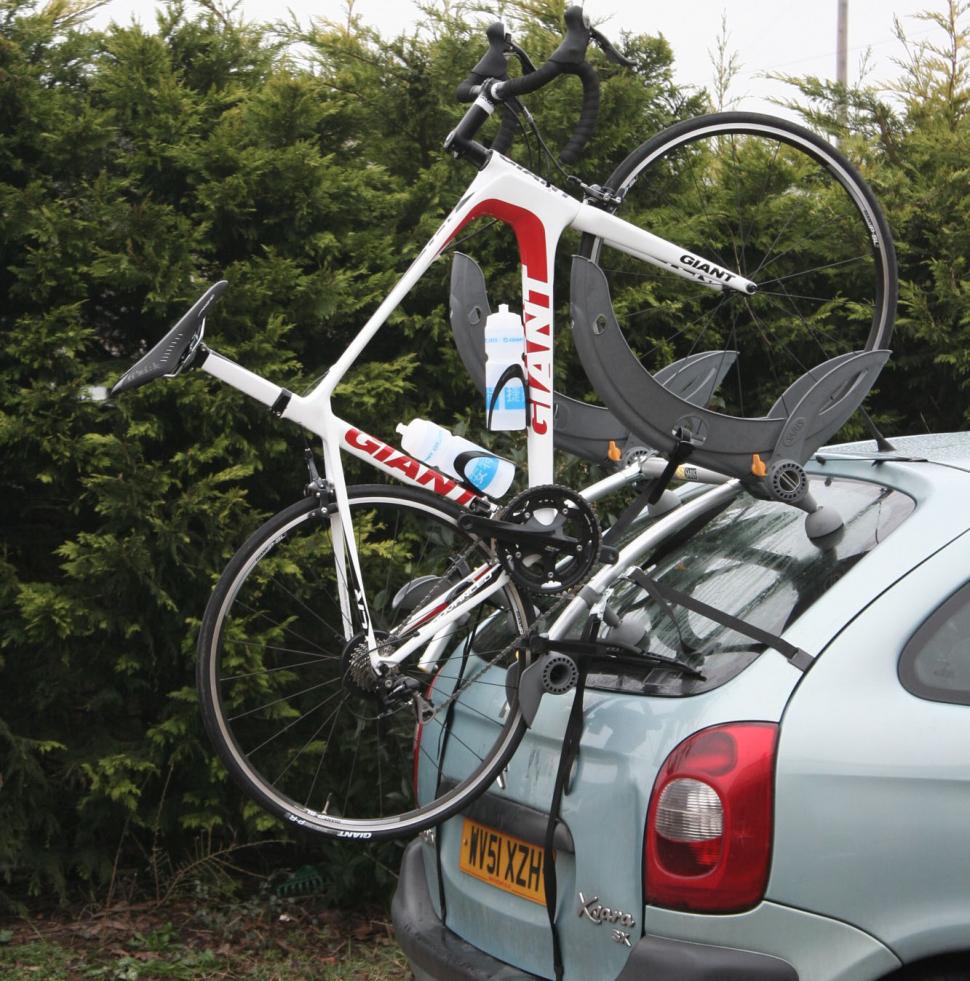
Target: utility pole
842,43
842,58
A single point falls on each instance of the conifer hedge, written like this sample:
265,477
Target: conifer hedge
303,165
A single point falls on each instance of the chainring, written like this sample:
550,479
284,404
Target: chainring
566,561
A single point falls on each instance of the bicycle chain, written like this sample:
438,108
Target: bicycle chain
517,643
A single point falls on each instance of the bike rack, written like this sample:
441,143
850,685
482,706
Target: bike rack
809,412
580,428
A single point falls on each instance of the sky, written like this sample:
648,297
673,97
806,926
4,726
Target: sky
786,36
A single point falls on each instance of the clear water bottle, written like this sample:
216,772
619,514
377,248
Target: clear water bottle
457,456
504,372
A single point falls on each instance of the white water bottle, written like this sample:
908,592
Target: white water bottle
456,456
504,371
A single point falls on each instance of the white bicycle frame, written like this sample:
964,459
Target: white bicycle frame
538,213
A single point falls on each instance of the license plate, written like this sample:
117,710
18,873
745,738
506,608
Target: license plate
502,861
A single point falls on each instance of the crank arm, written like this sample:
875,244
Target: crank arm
508,531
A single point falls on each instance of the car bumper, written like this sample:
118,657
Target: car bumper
437,954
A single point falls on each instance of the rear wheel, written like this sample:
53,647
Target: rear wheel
772,201
288,695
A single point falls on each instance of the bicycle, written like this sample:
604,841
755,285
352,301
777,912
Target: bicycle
429,577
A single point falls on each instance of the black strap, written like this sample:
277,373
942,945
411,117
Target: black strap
628,514
567,757
445,733
651,586
678,455
795,655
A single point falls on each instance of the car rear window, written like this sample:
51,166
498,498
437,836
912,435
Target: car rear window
752,560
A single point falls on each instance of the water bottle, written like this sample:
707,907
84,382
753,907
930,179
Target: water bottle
504,372
458,457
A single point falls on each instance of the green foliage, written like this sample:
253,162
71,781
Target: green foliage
303,166
913,141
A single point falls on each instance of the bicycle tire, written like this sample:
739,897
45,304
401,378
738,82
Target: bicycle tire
775,202
273,665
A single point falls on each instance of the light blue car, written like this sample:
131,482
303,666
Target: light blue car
744,817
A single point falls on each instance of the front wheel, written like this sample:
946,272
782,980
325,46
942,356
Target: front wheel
288,697
768,199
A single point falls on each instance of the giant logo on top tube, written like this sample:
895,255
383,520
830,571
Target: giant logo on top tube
530,234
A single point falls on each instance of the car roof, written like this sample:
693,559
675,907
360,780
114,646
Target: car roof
952,449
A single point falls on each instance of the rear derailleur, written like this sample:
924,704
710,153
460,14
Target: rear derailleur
383,689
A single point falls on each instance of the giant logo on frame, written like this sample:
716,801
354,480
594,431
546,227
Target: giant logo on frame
416,472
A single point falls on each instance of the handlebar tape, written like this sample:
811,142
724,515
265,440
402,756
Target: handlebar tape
524,84
568,59
509,126
506,132
464,92
494,64
591,99
587,117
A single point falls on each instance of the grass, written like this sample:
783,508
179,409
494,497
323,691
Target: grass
288,940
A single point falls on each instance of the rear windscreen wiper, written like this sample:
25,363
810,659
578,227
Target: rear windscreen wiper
615,651
555,671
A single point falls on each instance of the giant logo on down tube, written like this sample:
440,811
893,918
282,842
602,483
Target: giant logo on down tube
408,466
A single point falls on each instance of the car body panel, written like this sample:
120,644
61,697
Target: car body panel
862,787
818,914
818,947
622,737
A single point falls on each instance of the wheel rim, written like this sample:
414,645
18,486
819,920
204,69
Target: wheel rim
326,754
772,204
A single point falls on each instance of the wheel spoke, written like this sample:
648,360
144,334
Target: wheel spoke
791,214
297,721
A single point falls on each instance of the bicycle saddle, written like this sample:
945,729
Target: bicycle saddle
175,351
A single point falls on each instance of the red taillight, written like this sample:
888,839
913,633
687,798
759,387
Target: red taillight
707,846
418,732
417,755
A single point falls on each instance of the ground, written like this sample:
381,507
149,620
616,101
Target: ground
291,939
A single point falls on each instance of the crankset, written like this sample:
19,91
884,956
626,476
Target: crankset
547,538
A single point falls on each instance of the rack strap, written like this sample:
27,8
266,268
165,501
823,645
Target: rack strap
797,657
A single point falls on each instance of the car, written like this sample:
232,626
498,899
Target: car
759,815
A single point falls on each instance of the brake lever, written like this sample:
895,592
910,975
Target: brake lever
524,60
607,48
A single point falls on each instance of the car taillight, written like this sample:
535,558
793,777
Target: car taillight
707,846
418,733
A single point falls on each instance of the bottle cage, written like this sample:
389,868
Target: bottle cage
809,412
580,428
